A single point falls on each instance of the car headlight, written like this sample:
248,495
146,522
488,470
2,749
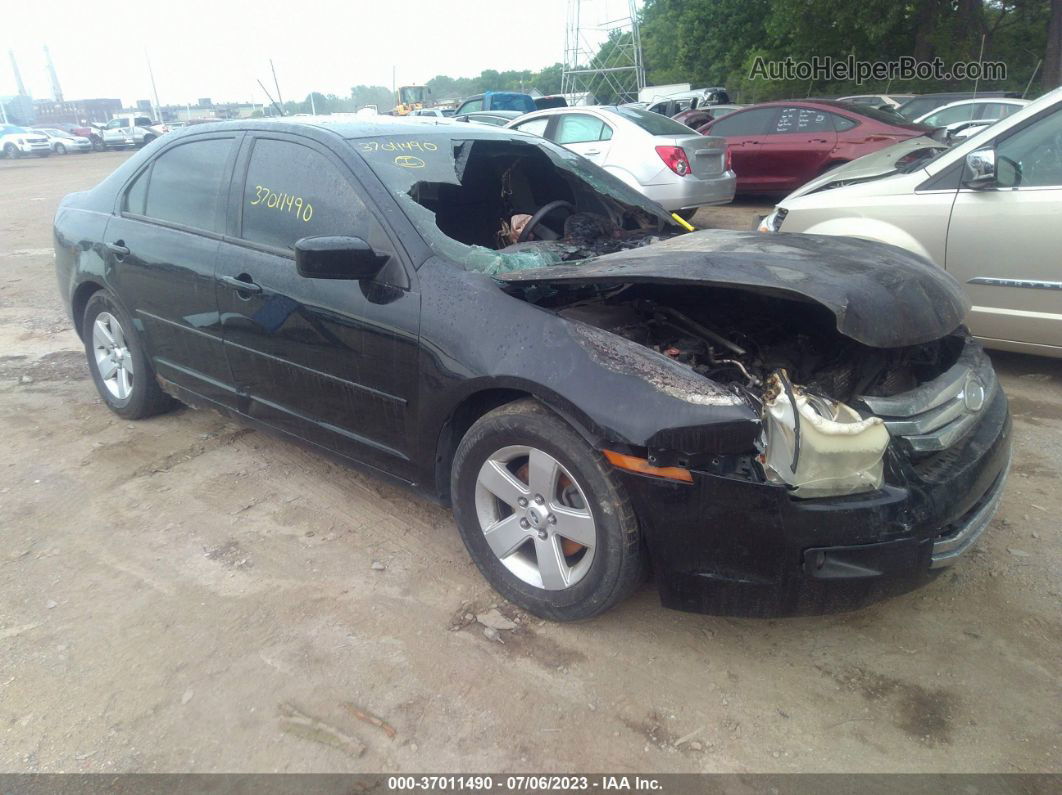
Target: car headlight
773,222
818,446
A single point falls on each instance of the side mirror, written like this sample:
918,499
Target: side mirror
335,257
980,171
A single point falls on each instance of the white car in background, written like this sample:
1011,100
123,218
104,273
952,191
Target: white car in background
986,210
666,161
127,132
16,141
63,142
971,114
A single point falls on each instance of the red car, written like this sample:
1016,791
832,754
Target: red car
778,146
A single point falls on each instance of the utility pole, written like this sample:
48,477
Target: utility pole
155,91
276,84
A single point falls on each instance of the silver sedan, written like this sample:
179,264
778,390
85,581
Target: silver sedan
663,159
63,142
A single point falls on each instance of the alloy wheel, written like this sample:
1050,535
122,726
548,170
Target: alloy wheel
535,517
114,360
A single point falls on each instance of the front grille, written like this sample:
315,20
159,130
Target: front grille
939,413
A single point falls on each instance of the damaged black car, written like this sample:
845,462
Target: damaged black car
765,425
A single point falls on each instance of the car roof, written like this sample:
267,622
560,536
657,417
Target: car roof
343,126
982,100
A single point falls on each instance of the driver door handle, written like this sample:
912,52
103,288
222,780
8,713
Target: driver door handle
119,247
241,283
592,152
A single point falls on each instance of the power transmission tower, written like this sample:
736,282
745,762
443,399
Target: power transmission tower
603,51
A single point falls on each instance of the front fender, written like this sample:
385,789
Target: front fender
869,229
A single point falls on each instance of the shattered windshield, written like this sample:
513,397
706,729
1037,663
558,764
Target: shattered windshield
502,202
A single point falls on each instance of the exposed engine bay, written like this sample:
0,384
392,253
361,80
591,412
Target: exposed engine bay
739,338
786,360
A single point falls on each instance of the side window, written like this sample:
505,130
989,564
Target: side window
472,106
185,183
136,197
749,122
114,124
802,120
996,110
293,191
951,115
577,128
535,126
842,123
1032,157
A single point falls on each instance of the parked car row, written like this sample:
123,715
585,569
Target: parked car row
126,132
984,210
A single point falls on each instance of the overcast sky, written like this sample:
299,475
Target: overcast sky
218,48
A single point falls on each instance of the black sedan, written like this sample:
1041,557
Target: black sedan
771,424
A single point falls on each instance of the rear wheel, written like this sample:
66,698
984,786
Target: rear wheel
543,516
117,362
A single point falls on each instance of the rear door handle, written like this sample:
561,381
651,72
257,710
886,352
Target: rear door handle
592,152
119,248
241,283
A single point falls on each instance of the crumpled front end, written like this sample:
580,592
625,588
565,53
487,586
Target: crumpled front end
819,446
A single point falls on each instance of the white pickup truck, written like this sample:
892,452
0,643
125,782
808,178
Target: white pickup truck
127,132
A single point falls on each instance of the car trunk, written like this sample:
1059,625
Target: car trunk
706,153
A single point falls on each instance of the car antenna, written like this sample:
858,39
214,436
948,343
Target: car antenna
280,110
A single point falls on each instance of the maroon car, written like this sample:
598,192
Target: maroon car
778,146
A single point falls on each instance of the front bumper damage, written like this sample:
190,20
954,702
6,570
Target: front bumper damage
729,546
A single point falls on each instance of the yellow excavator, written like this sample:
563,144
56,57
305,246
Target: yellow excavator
411,98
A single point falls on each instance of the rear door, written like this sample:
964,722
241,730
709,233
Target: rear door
745,131
584,134
161,249
797,148
330,361
1003,242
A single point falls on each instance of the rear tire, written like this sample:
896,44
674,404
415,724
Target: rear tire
571,555
10,151
117,362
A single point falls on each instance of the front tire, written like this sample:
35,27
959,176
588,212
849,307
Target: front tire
543,516
117,362
60,149
11,151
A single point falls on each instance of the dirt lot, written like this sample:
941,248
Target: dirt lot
185,594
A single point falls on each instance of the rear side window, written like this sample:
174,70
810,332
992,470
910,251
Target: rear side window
535,126
842,123
749,122
293,191
997,110
576,128
183,185
652,123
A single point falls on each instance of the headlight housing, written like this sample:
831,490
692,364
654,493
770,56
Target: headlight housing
819,446
773,222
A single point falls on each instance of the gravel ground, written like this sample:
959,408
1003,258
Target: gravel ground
186,594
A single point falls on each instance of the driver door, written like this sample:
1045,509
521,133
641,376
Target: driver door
334,362
1003,241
